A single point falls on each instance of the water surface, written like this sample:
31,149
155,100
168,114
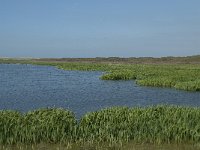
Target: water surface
29,87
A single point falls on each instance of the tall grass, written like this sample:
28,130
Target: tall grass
44,125
120,75
10,126
156,124
189,85
159,124
183,77
49,125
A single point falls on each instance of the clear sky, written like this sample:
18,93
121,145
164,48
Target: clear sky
99,28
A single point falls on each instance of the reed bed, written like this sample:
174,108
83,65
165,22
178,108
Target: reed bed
161,124
182,77
43,125
155,124
10,128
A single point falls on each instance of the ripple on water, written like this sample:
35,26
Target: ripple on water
28,87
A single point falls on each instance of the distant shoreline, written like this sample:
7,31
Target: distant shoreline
129,60
175,72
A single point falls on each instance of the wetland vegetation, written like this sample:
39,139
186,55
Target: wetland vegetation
183,74
117,125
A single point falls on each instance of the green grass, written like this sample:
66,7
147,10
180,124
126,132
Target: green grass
43,125
10,126
156,124
159,124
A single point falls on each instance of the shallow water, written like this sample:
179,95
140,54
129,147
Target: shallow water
28,87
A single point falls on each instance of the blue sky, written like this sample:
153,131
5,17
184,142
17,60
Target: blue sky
99,28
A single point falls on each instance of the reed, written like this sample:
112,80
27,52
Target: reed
160,124
10,128
43,125
119,75
183,77
189,85
155,124
48,125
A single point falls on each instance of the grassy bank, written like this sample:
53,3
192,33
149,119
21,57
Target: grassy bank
183,77
158,124
178,76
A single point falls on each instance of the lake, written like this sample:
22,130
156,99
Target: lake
29,87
